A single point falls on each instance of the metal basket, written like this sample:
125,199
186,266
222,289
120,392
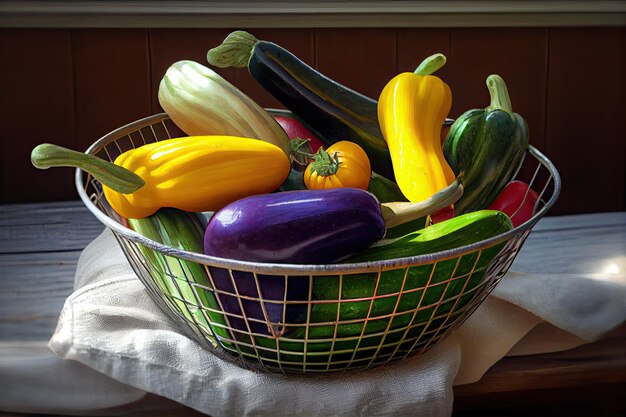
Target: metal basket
326,318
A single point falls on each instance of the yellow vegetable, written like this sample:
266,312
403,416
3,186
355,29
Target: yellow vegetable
411,111
343,164
195,173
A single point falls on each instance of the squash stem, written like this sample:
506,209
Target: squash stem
430,64
399,213
235,51
113,176
500,99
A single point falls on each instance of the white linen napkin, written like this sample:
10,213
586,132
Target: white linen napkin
109,324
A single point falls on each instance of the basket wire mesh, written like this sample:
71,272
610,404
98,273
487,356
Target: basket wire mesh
328,317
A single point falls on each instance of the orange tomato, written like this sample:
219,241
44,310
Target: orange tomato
344,164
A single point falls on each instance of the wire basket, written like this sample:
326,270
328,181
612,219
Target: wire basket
313,318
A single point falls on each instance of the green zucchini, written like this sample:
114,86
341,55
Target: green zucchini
488,145
177,278
330,110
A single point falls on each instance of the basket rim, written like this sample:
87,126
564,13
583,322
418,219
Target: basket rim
300,269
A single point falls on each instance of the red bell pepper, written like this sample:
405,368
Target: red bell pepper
517,200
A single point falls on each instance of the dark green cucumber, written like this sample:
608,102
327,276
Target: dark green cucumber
453,233
456,276
488,145
330,110
176,277
441,300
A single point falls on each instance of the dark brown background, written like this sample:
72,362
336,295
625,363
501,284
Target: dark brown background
71,86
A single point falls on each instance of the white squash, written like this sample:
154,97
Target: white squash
201,102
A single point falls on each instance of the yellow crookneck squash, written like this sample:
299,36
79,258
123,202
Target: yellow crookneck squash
194,173
411,110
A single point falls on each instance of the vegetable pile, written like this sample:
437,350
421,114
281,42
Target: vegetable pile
341,178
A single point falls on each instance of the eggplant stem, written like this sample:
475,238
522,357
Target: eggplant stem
398,213
235,51
113,176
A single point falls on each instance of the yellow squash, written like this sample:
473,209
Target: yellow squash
411,111
195,173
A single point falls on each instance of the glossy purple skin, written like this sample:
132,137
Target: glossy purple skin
300,227
310,227
272,290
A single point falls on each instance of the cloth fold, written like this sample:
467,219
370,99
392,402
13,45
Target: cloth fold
110,325
96,331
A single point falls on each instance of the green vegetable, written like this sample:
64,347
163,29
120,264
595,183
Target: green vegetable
330,110
294,181
488,145
453,233
387,191
179,280
422,311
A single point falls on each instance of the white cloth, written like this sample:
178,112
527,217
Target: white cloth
110,325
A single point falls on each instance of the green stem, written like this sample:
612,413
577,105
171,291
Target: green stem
235,51
431,64
301,149
500,99
324,163
113,176
399,213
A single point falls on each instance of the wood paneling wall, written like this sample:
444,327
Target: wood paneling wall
71,86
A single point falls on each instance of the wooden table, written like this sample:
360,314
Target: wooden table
40,245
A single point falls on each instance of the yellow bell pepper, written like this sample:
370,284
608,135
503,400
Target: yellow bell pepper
411,111
195,173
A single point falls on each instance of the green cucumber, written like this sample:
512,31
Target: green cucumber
435,304
453,233
175,277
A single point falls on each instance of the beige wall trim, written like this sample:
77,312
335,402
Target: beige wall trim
309,14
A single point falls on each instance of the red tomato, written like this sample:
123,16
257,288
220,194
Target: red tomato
517,200
295,129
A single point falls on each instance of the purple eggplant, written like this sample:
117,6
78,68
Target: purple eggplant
309,227
298,227
272,287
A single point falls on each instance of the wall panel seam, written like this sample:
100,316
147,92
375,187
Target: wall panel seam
72,47
546,129
151,75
